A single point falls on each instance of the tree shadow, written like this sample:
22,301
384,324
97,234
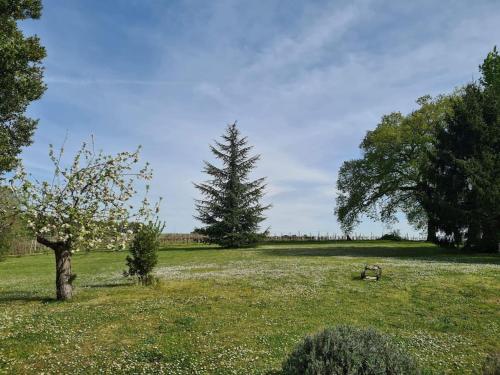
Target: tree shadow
191,248
107,285
24,296
431,254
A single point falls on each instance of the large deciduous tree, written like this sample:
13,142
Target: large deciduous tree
21,75
392,174
231,208
85,205
466,167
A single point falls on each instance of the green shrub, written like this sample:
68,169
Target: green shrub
348,351
143,252
492,364
393,236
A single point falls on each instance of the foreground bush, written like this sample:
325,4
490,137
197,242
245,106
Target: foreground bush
348,351
491,365
143,252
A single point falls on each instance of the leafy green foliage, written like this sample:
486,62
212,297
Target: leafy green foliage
348,350
393,236
144,252
490,70
21,75
231,208
466,167
392,173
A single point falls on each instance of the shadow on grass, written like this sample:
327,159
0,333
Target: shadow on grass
25,297
191,248
108,285
414,253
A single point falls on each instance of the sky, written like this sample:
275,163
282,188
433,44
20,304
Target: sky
305,80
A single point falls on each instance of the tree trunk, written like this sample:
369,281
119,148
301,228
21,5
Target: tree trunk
64,278
431,231
491,237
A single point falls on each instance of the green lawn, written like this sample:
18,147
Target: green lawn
241,311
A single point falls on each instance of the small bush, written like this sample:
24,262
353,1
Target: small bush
492,364
143,252
348,351
393,236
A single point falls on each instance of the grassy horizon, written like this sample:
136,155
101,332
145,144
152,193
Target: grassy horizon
227,311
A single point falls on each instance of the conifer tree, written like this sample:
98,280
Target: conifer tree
21,79
467,163
144,252
230,206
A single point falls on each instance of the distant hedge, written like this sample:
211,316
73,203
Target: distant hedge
393,236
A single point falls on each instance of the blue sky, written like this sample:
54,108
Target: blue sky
304,79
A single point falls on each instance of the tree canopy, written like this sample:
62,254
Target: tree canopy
21,78
392,173
466,167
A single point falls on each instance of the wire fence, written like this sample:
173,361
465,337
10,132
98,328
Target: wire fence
169,238
336,237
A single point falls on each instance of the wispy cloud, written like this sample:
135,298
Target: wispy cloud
100,81
305,81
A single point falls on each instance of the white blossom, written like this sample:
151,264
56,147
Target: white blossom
88,203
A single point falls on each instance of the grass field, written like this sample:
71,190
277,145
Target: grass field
241,311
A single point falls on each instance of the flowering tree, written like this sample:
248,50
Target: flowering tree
87,204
